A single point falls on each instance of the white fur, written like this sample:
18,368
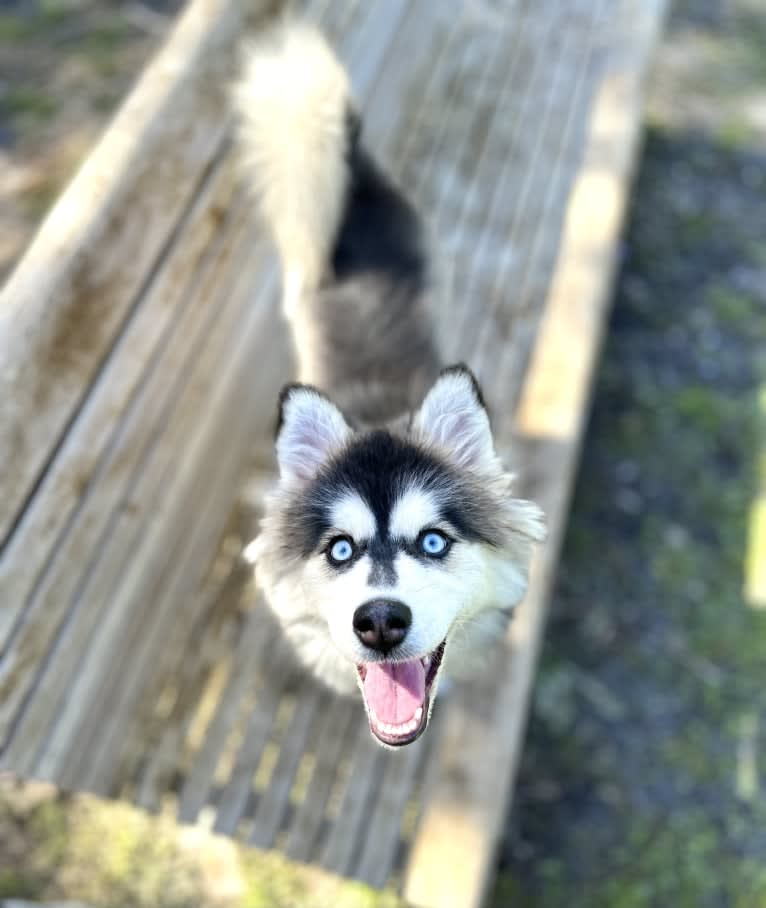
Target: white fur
452,418
292,100
350,515
437,597
415,510
312,429
457,602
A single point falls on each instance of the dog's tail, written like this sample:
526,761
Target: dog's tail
296,125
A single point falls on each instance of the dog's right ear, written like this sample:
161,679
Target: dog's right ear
310,429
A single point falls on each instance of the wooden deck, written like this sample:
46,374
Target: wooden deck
140,356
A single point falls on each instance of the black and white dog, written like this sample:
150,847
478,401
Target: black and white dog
391,547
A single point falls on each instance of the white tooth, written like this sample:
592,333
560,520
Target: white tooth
411,726
418,714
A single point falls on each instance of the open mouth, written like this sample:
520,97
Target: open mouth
397,696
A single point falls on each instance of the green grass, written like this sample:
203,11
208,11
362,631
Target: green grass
109,855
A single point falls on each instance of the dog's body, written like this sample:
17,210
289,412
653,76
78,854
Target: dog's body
391,549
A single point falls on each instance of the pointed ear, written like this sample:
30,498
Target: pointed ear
310,429
454,417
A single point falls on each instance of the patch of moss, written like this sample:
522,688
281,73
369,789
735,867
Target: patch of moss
39,198
37,22
25,101
735,309
110,855
737,133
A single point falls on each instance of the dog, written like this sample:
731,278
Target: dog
391,548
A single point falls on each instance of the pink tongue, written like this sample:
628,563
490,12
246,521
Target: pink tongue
394,690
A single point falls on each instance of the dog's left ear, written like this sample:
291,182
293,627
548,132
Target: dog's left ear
454,417
310,429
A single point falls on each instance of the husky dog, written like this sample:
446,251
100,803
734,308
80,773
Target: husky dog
391,547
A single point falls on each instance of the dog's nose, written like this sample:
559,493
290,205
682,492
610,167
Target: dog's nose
381,624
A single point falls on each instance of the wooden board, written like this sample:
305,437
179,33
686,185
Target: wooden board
461,821
135,657
66,302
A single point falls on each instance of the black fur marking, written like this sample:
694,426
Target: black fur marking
353,132
378,466
462,369
374,335
382,551
381,230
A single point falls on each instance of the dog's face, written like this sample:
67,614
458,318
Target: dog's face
380,550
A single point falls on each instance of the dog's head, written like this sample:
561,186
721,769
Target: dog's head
379,550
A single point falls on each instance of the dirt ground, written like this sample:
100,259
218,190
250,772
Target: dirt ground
64,67
642,784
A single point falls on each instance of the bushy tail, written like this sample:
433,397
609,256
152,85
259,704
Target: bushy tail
293,101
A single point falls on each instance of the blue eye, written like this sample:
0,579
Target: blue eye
434,543
341,549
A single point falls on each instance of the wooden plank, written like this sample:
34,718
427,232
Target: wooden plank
527,260
333,739
530,273
112,502
525,138
383,825
234,798
475,768
84,456
349,828
272,807
153,629
177,487
130,525
163,740
65,303
229,714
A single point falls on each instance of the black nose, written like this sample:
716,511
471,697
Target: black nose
381,624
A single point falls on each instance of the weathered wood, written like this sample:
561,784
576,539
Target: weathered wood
526,263
236,698
48,598
260,724
64,305
383,824
83,575
348,831
304,725
477,762
305,825
111,398
160,748
181,485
